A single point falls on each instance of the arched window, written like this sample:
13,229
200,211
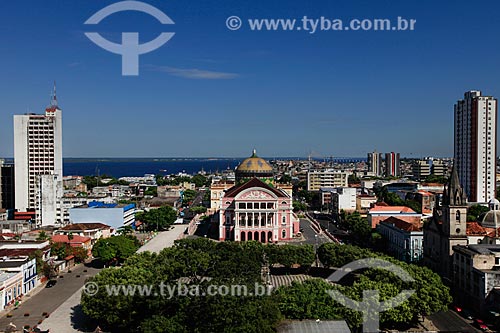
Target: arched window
284,220
283,234
457,216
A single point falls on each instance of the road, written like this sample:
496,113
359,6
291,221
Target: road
163,239
449,321
310,234
49,299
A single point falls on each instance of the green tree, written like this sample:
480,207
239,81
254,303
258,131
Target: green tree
475,211
299,206
115,249
198,210
158,219
80,253
42,235
188,196
200,180
61,250
152,191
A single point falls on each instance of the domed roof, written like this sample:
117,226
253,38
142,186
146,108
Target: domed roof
254,164
490,219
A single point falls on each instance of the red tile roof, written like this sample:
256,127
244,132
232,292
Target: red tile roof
401,209
76,241
403,225
475,229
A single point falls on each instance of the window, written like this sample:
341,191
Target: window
283,234
284,220
457,216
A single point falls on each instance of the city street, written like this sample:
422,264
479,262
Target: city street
48,299
449,321
309,234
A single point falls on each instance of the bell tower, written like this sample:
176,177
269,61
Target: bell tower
454,208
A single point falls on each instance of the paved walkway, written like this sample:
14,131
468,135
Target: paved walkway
62,319
164,239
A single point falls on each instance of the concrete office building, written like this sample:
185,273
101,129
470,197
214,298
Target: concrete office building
475,145
316,179
38,164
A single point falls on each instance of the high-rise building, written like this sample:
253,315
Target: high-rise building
392,167
475,145
6,185
38,163
375,163
424,168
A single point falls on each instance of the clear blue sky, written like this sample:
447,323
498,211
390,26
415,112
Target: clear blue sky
284,93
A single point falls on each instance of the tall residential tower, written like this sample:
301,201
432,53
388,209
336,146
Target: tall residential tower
475,145
38,163
375,163
392,166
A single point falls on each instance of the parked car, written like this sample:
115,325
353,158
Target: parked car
466,314
51,283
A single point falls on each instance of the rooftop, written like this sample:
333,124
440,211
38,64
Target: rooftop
85,226
403,225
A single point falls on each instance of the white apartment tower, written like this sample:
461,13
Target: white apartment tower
38,167
475,145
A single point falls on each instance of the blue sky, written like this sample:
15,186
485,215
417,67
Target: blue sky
286,93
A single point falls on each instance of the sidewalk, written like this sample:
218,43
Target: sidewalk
164,239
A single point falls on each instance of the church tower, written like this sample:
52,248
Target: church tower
454,208
454,226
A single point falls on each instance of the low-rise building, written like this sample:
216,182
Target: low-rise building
14,248
94,231
404,239
74,241
11,288
477,275
114,215
338,199
217,190
364,202
381,213
22,264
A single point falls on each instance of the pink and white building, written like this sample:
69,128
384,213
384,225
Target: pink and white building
257,211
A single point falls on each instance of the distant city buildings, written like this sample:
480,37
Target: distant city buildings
392,165
475,145
316,179
422,169
38,164
375,164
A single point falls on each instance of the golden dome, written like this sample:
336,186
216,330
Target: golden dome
254,164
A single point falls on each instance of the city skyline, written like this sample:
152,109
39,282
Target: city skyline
210,84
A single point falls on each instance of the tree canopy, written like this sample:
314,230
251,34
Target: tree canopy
115,249
158,219
201,263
